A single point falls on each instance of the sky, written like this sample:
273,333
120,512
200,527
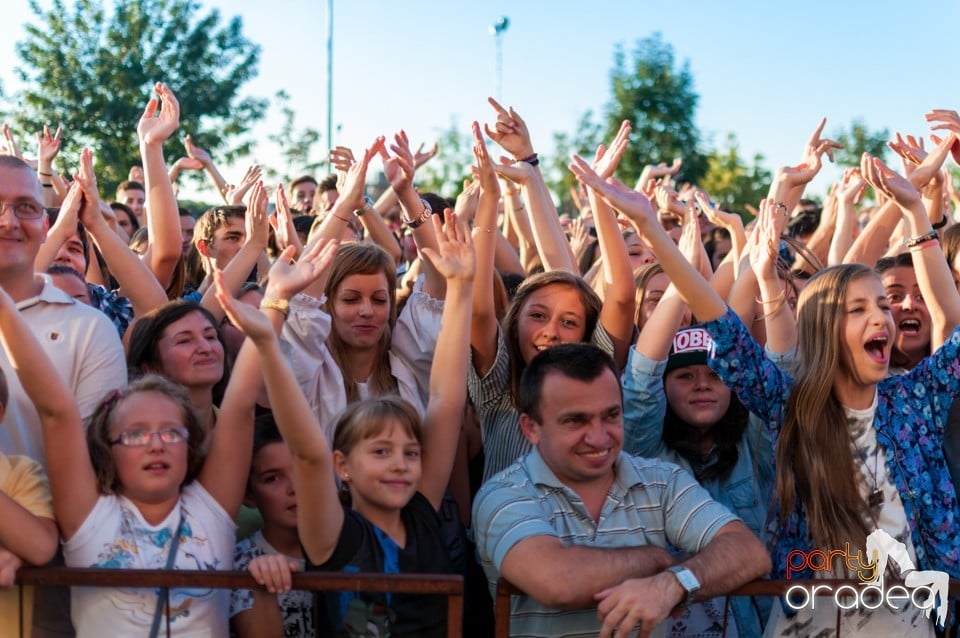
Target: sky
765,71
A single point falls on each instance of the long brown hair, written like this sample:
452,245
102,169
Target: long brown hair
511,322
813,456
363,259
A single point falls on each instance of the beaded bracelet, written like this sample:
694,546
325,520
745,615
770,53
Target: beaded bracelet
927,244
919,239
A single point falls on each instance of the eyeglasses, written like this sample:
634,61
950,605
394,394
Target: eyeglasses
26,210
140,438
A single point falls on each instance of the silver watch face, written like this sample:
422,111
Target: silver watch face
687,580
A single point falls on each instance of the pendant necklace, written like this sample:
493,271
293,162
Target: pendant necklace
875,499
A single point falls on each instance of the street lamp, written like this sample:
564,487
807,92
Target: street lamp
496,30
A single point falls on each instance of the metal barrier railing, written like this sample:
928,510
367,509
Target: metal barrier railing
449,585
506,589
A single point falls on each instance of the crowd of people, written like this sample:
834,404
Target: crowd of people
626,415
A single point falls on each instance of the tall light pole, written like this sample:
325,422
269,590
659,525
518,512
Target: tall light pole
496,30
329,73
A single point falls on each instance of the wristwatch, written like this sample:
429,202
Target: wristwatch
687,580
424,216
367,206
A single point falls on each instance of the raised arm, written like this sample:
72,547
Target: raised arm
136,281
704,302
163,216
227,466
64,226
448,375
72,481
620,298
779,321
236,272
933,272
399,168
203,156
483,327
48,147
377,229
849,193
510,132
319,517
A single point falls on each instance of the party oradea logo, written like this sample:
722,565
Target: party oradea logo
924,590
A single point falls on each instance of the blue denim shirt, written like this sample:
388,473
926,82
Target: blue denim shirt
746,490
910,424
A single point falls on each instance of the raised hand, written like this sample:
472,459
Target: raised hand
48,146
341,159
455,257
188,164
155,128
816,147
421,157
510,132
714,214
87,180
282,223
651,173
931,164
519,173
487,176
355,179
851,188
135,174
668,203
196,152
764,249
255,219
884,180
690,243
287,277
467,200
580,237
946,120
9,146
398,168
234,194
251,321
605,160
631,203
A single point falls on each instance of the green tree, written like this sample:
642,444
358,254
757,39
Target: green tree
731,182
857,140
660,101
296,146
94,75
558,177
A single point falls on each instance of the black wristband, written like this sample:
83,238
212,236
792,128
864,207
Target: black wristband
940,224
533,160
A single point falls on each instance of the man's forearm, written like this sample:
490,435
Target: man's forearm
735,556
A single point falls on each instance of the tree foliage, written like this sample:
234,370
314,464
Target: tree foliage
94,74
731,182
660,101
295,146
857,140
559,178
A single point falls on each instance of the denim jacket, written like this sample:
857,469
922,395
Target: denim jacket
745,490
910,424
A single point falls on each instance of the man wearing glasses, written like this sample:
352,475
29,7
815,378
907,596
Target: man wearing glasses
80,341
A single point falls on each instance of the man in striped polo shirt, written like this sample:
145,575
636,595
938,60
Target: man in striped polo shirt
582,528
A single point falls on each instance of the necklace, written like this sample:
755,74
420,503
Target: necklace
876,498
